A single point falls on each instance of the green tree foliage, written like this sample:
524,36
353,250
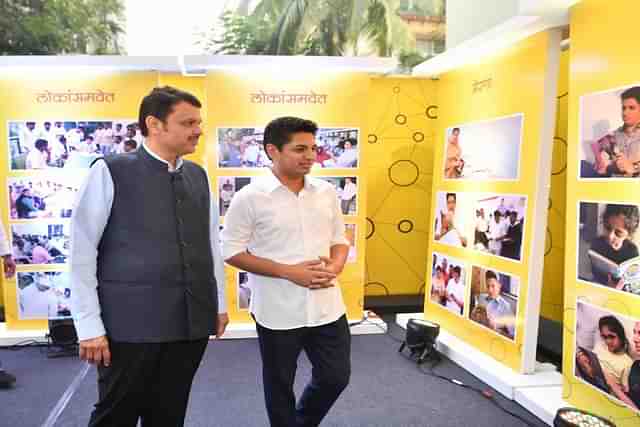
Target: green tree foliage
314,27
51,27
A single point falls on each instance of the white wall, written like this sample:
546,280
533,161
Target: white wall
467,18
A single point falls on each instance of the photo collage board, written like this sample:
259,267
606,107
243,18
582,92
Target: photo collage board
490,223
490,192
241,159
603,272
48,161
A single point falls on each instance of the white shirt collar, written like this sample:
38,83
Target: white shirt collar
271,182
179,160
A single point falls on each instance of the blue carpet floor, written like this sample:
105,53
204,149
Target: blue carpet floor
386,390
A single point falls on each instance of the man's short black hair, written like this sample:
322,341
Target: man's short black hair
131,143
279,131
490,275
457,270
160,102
632,92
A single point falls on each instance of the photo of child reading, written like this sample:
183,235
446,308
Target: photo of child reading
607,353
610,149
608,247
448,283
494,300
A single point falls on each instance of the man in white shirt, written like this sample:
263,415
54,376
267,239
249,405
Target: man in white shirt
348,196
6,379
501,315
286,230
455,292
28,136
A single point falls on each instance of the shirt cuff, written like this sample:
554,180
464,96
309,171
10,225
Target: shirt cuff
230,250
341,241
89,327
222,301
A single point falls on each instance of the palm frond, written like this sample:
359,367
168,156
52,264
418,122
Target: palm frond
286,33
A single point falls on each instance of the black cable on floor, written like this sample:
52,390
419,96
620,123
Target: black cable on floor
486,393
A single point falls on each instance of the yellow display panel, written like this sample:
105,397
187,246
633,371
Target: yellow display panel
552,303
55,94
398,164
504,110
239,106
599,193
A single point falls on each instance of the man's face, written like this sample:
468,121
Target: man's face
47,126
513,217
493,288
297,156
181,131
31,126
636,337
451,204
630,112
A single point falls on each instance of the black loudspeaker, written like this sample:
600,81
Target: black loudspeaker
421,339
63,338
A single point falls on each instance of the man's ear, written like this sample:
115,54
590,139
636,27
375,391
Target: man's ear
271,149
154,125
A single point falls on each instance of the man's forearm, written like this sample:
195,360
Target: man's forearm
257,265
339,254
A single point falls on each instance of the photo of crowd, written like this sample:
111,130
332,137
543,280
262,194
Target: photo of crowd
494,300
499,225
227,188
243,148
607,353
244,291
40,243
610,134
466,154
448,283
43,196
69,143
608,245
347,190
44,295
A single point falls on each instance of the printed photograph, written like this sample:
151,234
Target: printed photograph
494,300
347,189
487,150
44,295
244,291
608,245
610,134
499,225
350,234
448,283
243,148
70,143
452,219
41,243
607,353
228,186
43,196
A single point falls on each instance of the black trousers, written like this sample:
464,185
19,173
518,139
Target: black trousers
147,381
328,347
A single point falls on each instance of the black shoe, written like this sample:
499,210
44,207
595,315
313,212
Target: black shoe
6,379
